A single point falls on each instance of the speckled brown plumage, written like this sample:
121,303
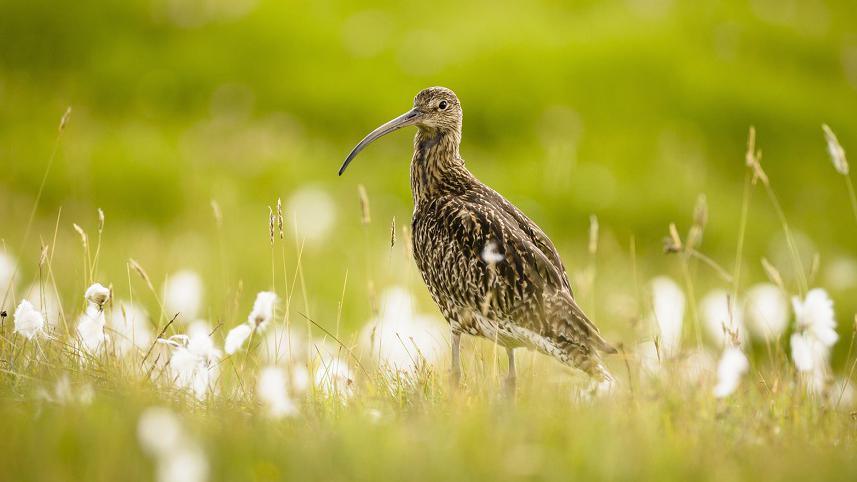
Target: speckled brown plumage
490,269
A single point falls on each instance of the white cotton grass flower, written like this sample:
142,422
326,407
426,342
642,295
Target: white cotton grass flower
183,292
64,393
131,328
45,300
732,366
236,337
90,329
814,315
335,379
179,458
809,353
259,318
263,310
834,148
272,390
490,254
399,338
766,311
29,322
722,322
97,294
194,364
668,304
313,212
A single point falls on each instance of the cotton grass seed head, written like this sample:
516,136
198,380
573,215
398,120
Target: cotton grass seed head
272,390
29,322
732,366
766,311
723,322
183,293
236,337
668,303
263,310
97,294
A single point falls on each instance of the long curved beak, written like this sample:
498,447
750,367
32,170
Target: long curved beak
409,118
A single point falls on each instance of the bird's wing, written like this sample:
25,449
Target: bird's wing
538,237
525,284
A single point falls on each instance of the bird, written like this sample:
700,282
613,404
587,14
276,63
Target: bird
490,269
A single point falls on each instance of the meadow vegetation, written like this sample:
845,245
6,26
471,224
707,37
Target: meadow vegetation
189,293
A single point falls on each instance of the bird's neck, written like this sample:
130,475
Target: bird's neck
435,160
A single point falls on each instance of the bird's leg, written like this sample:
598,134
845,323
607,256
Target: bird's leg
512,376
456,359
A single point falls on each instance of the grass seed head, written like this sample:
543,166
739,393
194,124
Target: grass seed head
834,148
753,158
64,120
365,215
218,214
280,218
100,221
593,234
84,239
393,232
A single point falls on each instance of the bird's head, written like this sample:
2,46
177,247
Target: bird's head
435,109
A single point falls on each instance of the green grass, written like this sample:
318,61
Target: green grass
623,110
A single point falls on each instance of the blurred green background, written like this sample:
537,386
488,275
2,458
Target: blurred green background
623,109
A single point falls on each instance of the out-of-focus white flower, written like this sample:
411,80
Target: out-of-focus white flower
29,322
335,379
401,340
808,353
650,359
44,299
179,457
159,431
194,366
64,393
263,310
131,328
814,315
283,345
841,273
97,294
733,365
722,323
490,254
815,334
766,311
668,302
7,271
187,464
183,294
90,329
313,211
697,366
299,379
236,337
272,389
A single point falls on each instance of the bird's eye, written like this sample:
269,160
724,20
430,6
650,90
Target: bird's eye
443,104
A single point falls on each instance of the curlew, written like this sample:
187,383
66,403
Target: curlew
491,270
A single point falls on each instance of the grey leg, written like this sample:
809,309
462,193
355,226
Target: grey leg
456,358
511,378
